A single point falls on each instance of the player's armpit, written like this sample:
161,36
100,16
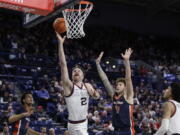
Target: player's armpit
67,90
130,100
67,86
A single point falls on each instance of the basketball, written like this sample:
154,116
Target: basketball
59,25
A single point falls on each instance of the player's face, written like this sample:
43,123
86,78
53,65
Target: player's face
77,75
120,86
167,93
29,99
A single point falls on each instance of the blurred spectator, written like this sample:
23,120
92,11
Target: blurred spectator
43,96
51,131
5,129
43,130
41,114
66,133
10,111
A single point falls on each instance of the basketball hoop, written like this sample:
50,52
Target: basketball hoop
75,17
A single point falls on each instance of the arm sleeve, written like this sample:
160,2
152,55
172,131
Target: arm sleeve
164,127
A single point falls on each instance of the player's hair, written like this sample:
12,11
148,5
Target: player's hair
175,89
121,80
78,66
24,96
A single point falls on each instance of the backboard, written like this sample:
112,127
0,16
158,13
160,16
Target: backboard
41,7
30,20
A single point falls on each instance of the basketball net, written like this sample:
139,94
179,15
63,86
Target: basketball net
75,17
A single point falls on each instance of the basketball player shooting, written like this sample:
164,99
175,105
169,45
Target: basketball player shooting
122,97
171,111
76,94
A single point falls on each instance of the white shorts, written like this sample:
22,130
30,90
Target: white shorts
78,129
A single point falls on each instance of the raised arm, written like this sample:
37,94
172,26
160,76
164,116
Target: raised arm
66,82
104,77
129,85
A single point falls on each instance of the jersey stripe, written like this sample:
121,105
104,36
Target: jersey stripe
16,128
19,127
131,108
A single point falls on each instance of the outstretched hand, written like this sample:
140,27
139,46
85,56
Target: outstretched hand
61,39
98,60
127,54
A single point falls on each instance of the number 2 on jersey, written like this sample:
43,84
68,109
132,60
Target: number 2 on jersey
83,101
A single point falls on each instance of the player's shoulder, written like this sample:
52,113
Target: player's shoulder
169,105
87,84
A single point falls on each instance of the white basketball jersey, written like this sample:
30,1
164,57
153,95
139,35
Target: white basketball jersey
77,103
174,123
